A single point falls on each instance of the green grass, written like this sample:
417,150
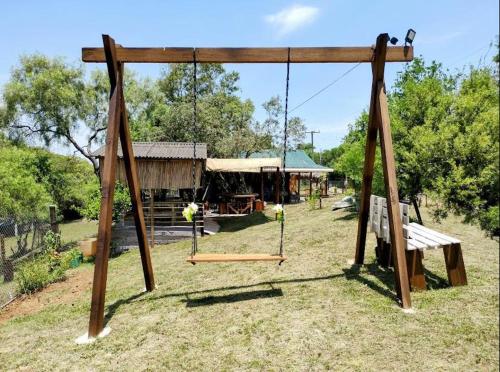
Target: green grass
75,231
314,312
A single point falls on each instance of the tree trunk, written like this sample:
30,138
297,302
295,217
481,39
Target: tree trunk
417,210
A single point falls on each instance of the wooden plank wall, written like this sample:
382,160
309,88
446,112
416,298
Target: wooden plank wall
161,174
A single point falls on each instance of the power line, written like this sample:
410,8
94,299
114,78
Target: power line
463,58
325,87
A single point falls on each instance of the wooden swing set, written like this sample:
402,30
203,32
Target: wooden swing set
115,56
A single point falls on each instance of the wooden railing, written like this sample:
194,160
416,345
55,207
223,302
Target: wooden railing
165,215
170,214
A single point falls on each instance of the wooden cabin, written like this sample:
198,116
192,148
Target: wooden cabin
166,178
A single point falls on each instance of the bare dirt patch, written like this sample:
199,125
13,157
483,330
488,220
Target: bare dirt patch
64,292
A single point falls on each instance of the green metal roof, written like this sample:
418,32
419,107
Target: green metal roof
295,159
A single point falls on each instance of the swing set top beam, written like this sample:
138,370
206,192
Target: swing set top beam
249,55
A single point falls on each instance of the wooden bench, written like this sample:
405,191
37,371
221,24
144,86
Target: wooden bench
418,239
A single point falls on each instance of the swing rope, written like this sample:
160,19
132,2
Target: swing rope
194,246
236,257
285,140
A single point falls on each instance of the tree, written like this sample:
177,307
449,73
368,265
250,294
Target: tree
92,205
223,119
352,157
48,99
63,177
469,179
22,197
270,131
445,134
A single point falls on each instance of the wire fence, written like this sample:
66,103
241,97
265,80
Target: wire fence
20,242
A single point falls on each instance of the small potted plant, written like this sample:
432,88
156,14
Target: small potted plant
74,257
280,212
190,211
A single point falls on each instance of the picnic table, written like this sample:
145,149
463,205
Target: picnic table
238,203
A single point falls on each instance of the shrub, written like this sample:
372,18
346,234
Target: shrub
36,274
121,203
48,267
32,276
490,221
71,258
314,198
52,241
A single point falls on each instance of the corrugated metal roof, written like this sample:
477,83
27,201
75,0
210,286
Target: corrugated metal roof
161,150
296,160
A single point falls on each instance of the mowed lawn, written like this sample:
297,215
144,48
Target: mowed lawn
315,312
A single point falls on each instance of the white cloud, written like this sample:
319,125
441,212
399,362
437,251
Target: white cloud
292,18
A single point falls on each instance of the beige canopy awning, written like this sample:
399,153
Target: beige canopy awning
246,165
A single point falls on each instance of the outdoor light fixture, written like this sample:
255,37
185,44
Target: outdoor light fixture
410,35
394,40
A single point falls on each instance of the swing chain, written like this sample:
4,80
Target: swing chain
285,140
194,247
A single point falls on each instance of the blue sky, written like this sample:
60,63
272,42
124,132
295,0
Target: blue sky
455,33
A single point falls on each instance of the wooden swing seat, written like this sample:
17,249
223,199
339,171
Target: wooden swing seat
222,257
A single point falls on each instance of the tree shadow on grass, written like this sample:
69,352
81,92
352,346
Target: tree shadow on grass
347,217
111,309
210,300
435,282
352,273
234,297
240,223
385,276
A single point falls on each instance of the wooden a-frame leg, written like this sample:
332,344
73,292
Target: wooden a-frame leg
415,270
371,144
392,197
96,322
117,127
455,264
135,192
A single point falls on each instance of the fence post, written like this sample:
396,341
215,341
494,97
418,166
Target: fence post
7,267
2,249
53,220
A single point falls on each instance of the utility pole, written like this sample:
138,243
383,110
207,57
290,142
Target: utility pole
312,132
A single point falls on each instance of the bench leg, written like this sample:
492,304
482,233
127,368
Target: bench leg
378,250
384,254
455,264
415,270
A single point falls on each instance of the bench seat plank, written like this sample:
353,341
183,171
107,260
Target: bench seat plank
424,238
413,244
450,239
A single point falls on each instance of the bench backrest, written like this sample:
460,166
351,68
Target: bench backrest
379,221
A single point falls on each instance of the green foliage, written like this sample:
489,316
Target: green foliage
351,155
32,178
121,202
39,272
313,199
63,177
445,134
22,197
48,267
489,220
71,258
52,241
